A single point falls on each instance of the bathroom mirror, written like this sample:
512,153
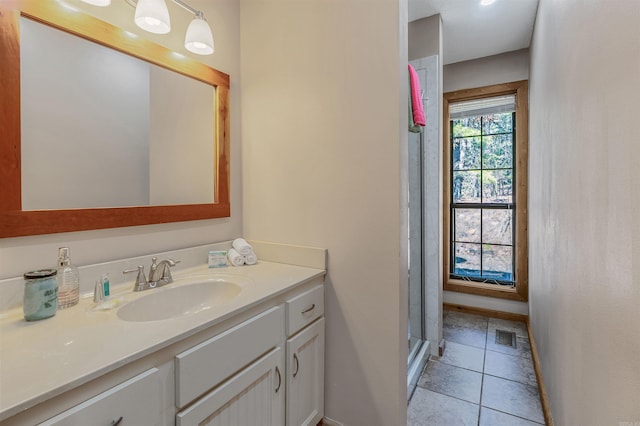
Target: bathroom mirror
60,135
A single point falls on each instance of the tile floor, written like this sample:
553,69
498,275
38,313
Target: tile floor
477,381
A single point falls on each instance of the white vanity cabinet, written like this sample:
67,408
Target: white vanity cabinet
305,358
135,402
261,366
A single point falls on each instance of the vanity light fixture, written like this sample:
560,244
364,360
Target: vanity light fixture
199,39
153,16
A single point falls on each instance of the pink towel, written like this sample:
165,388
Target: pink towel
416,98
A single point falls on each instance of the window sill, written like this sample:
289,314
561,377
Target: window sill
491,290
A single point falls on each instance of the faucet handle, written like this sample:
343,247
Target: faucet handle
141,279
153,266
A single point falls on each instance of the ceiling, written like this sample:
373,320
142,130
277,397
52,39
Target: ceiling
472,31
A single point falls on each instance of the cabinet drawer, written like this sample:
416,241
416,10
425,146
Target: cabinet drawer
209,363
137,401
304,309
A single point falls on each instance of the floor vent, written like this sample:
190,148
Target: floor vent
506,338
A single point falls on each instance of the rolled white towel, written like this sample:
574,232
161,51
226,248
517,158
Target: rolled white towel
235,258
251,258
242,246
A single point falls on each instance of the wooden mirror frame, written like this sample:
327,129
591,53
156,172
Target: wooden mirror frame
14,221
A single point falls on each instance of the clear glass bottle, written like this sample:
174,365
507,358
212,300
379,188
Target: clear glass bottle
68,280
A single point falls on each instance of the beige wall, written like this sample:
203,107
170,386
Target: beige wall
585,209
18,255
425,37
496,69
324,158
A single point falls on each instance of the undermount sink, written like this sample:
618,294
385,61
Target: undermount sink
181,300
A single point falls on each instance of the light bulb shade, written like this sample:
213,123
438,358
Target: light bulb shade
102,3
153,16
199,39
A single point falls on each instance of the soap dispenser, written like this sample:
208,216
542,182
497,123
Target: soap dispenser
68,280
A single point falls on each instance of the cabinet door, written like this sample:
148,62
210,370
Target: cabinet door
305,376
135,402
253,397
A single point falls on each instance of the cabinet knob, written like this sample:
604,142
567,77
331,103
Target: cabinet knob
116,422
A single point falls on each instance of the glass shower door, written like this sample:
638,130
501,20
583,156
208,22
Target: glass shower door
416,320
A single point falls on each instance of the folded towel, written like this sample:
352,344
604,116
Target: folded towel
242,246
416,98
251,258
235,258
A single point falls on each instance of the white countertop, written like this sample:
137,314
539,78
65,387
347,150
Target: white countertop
42,359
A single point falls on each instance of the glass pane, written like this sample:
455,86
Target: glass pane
469,126
466,153
497,262
466,225
497,152
497,123
496,226
497,186
466,187
467,259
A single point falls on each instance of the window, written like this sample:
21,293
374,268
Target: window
486,191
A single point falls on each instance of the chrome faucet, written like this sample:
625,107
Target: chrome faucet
159,274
